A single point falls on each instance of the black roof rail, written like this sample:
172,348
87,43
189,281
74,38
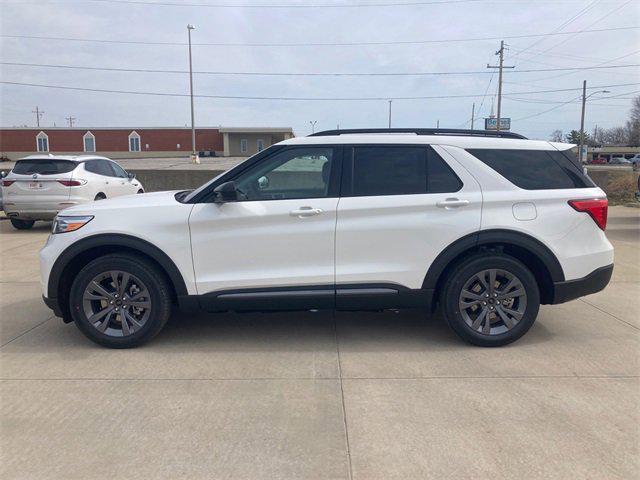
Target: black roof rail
422,131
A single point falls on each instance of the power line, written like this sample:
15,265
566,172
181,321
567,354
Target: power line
292,5
546,111
318,44
242,97
307,74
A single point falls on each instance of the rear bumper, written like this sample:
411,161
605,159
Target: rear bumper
592,283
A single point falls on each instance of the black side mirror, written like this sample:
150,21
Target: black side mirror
225,193
131,175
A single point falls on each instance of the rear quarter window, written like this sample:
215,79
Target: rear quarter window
43,167
534,169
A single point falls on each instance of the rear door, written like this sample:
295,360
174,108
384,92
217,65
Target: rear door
35,183
400,207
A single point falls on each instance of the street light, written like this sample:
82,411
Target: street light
584,103
313,125
194,156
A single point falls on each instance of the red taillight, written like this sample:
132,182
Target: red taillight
7,183
70,183
597,209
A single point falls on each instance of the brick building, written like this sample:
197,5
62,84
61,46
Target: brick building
138,142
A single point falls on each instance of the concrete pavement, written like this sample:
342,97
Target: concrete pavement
322,395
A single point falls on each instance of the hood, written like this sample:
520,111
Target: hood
147,200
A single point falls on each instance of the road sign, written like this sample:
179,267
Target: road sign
492,124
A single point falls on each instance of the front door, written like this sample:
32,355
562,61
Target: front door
277,239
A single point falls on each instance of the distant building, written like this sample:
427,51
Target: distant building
138,142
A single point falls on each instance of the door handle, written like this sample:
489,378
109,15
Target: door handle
452,203
305,212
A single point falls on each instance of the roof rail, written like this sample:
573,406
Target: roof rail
423,131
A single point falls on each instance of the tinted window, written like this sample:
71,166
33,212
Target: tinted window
294,173
100,167
381,170
440,177
534,169
389,170
118,171
43,167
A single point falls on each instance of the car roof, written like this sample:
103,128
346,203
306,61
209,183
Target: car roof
413,139
71,158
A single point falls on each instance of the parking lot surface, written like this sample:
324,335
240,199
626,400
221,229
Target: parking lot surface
322,395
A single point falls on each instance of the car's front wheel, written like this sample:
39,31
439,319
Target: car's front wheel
22,224
120,300
491,299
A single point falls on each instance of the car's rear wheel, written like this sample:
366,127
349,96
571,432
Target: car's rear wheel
22,224
100,196
120,301
491,299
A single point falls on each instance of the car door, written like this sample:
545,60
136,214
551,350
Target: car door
401,206
276,243
100,179
121,182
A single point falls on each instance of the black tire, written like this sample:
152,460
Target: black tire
500,334
159,297
100,196
140,191
22,224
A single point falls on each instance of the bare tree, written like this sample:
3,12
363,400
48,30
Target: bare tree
633,124
557,136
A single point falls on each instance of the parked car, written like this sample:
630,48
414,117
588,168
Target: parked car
484,226
40,186
599,161
619,161
635,161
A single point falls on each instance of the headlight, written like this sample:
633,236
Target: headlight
63,224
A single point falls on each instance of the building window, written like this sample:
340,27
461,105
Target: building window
42,142
89,141
260,144
134,142
243,145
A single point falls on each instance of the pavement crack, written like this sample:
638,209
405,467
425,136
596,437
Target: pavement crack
27,331
610,314
344,410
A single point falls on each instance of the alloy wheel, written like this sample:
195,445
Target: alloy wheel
492,301
116,303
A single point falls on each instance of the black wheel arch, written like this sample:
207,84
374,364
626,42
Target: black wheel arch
534,254
74,257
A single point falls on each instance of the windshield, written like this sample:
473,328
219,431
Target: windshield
43,166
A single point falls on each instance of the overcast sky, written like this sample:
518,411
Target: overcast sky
143,21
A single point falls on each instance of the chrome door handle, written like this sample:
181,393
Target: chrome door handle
305,212
452,203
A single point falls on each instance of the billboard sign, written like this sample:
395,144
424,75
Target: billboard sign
492,124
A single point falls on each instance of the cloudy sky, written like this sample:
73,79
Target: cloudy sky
436,27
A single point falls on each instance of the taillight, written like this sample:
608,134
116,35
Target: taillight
71,183
597,209
7,183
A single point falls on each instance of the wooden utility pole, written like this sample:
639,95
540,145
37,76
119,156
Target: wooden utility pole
584,102
39,114
500,66
473,114
70,119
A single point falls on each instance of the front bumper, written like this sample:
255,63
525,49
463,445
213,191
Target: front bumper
592,283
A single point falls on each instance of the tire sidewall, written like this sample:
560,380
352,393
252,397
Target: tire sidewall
463,273
158,293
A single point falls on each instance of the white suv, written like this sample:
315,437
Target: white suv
39,186
486,226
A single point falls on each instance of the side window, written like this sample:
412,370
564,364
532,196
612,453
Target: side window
118,171
440,177
293,173
99,167
389,170
534,169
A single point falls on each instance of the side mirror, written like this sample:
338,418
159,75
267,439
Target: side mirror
3,174
225,193
131,175
263,182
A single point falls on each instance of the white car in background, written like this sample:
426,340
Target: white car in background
39,186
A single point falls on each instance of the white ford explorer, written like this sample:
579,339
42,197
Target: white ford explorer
485,226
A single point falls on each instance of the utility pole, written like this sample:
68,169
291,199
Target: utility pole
501,67
584,103
438,124
70,119
313,125
473,114
390,113
39,114
194,156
